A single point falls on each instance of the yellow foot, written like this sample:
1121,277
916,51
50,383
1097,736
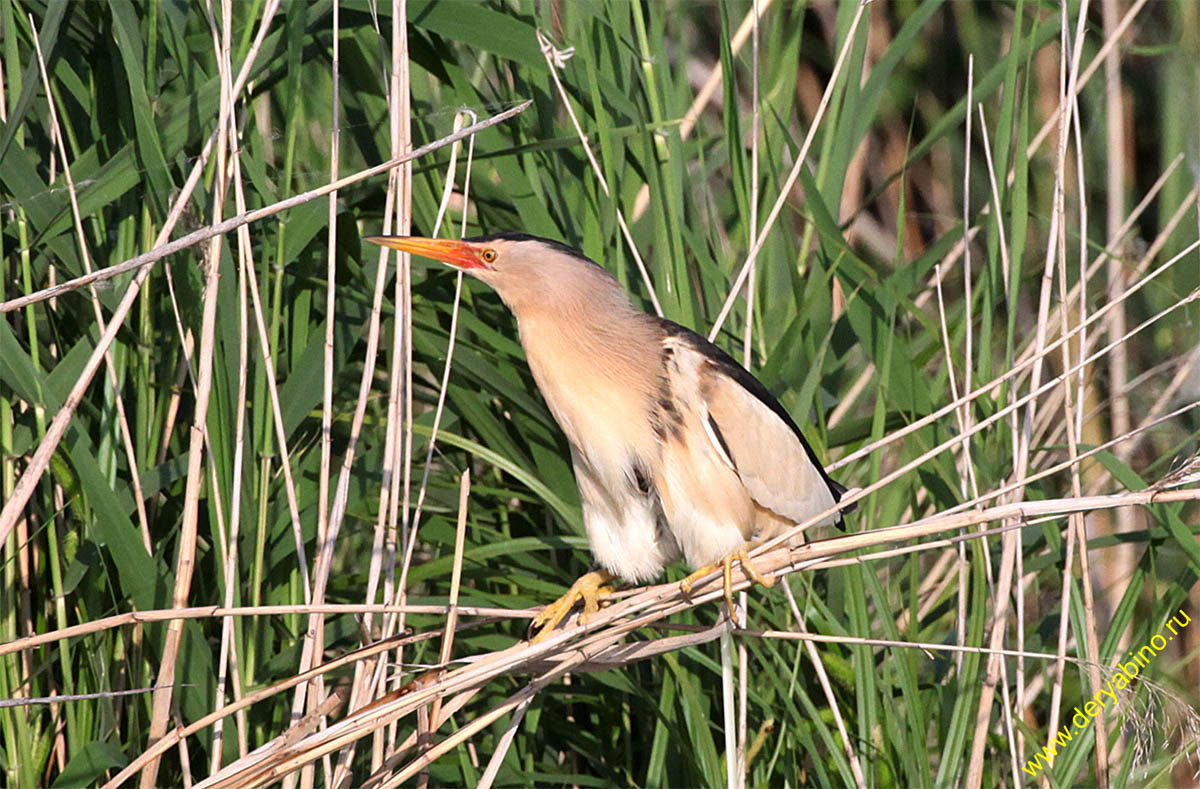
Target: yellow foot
726,568
589,588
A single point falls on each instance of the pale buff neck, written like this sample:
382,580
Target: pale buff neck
588,334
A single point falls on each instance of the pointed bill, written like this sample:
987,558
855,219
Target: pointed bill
459,254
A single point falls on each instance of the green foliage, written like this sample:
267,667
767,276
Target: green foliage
845,330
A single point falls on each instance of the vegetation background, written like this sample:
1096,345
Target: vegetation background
220,423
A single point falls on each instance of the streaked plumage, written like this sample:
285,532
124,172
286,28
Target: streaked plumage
677,449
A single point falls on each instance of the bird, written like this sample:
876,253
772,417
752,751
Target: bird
678,451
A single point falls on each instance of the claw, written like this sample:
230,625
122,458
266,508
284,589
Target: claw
589,588
726,568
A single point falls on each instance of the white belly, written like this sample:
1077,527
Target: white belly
600,417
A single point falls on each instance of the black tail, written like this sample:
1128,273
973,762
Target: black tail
839,490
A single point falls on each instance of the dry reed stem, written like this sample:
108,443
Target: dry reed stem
369,676
335,138
703,96
54,433
1005,263
394,754
924,646
228,650
736,768
398,435
516,701
187,371
400,108
846,404
1153,415
1066,464
855,494
728,708
230,542
281,757
1099,406
494,764
1009,544
135,475
443,392
1024,357
786,190
229,655
961,415
1017,743
185,758
367,682
1109,44
556,59
1053,249
186,559
1054,433
743,682
969,481
177,207
285,458
395,760
163,249
1150,254
216,612
604,632
358,655
342,492
1021,367
460,538
182,373
969,485
826,687
1073,422
1120,562
667,600
175,736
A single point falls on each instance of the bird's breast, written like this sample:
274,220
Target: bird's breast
601,391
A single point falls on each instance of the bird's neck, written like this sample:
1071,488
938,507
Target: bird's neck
585,330
587,354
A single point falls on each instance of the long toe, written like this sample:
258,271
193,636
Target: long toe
725,567
551,615
753,574
727,578
696,576
591,596
589,588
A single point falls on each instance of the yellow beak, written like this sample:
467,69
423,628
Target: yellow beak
459,254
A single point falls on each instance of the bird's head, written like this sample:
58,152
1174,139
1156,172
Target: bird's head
525,270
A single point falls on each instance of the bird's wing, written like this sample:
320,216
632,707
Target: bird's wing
758,438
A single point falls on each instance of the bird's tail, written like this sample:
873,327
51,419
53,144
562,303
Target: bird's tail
839,490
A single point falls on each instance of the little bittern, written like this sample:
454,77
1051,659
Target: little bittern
677,449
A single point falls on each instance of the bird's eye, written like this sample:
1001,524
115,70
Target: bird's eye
488,255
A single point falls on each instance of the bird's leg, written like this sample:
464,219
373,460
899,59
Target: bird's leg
589,588
726,567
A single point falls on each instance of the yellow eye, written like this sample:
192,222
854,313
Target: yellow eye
488,256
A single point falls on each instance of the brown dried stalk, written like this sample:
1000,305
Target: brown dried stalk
600,645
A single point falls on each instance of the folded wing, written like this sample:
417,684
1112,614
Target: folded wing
760,440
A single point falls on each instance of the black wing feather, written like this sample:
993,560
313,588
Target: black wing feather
730,367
